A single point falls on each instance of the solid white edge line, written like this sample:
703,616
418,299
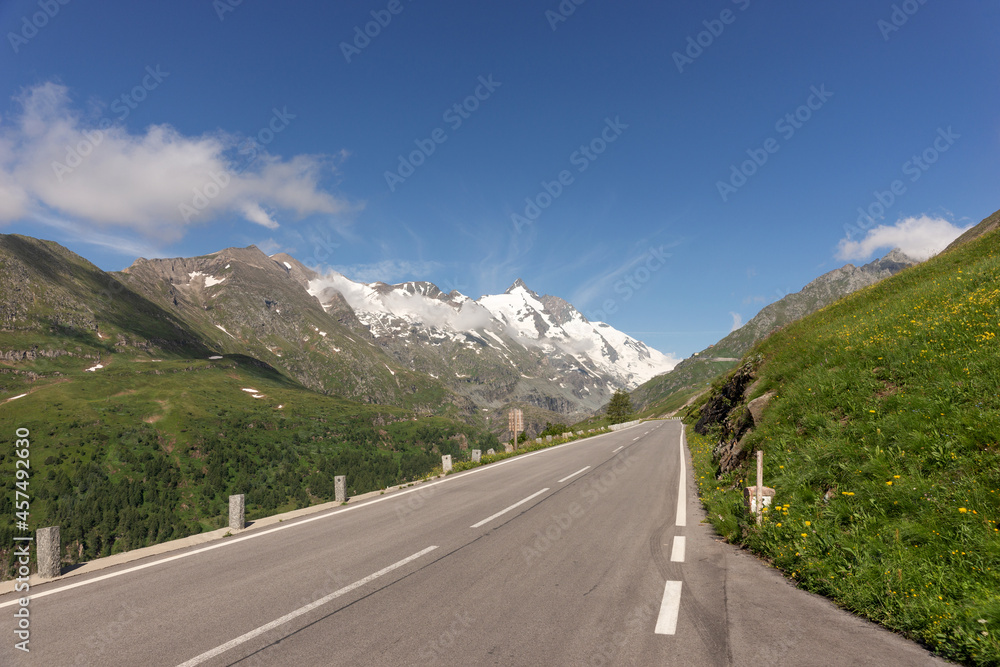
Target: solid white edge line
504,511
324,515
573,475
681,507
677,551
218,650
666,622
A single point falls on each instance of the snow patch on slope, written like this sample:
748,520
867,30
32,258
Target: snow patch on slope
210,281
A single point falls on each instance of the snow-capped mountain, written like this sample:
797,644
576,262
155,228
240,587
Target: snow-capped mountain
557,327
408,344
500,348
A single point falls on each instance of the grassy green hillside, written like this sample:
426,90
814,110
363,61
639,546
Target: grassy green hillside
146,450
883,445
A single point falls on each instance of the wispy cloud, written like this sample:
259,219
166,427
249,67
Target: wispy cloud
389,271
600,284
54,160
920,238
270,247
120,245
595,287
737,321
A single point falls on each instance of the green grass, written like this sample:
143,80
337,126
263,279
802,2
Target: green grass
882,445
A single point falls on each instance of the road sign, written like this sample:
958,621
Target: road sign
515,421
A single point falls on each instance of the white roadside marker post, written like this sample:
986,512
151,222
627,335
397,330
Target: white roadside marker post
760,486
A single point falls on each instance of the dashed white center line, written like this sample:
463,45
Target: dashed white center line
197,660
504,511
573,475
677,552
618,450
666,622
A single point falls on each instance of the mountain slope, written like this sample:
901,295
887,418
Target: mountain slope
61,312
695,372
880,439
984,227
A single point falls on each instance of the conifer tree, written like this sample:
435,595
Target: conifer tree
620,408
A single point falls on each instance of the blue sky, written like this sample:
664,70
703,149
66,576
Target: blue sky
176,129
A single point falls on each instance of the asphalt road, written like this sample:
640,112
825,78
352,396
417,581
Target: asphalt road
591,553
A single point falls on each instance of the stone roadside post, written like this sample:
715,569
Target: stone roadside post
237,512
49,551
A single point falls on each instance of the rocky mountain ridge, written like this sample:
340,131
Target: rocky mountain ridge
699,369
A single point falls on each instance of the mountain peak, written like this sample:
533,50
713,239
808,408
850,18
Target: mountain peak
520,284
897,255
893,262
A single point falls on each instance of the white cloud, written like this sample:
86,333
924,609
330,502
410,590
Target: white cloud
55,161
254,213
737,321
919,238
466,316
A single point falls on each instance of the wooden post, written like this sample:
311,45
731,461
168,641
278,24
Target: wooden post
515,424
760,485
